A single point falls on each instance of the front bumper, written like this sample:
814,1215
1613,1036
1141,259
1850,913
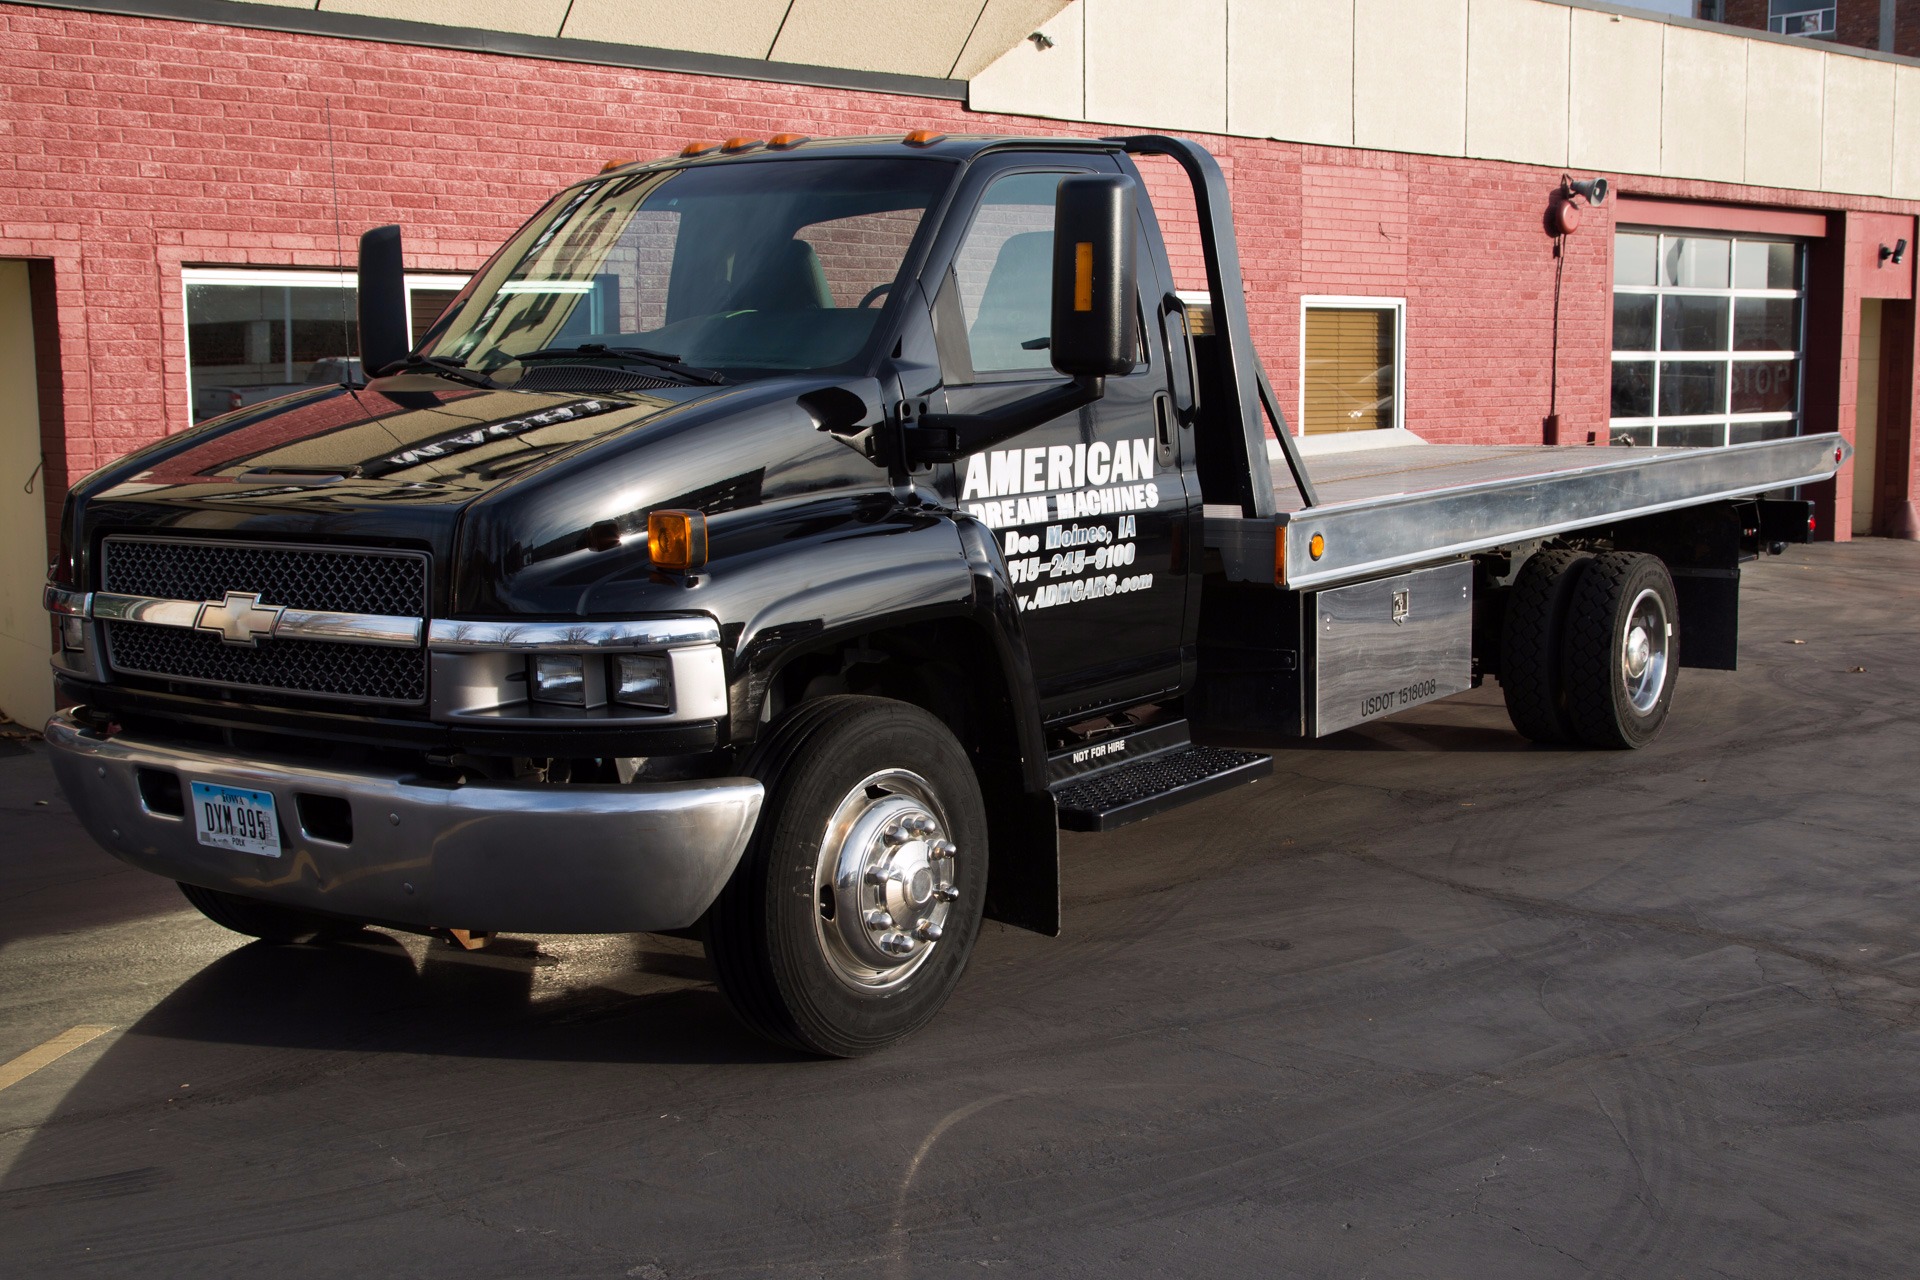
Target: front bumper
506,857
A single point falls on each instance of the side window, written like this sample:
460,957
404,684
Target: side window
1004,271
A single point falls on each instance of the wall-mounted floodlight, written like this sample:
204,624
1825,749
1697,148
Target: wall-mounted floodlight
1895,255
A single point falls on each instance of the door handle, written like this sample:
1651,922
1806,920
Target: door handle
1165,424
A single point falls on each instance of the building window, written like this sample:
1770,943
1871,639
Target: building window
1351,364
253,335
1706,338
1802,18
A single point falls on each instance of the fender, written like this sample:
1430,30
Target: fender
917,566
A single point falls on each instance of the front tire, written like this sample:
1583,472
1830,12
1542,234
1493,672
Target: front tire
1623,651
853,911
266,920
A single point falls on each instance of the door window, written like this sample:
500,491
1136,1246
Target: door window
1004,271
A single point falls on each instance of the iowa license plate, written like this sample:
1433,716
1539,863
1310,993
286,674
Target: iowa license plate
235,818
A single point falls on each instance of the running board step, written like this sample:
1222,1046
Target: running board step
1142,788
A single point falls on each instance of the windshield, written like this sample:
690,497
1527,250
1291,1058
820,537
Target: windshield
745,269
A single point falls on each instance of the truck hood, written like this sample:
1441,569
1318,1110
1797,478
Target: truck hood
411,460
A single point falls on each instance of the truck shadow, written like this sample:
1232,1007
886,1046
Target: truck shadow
369,995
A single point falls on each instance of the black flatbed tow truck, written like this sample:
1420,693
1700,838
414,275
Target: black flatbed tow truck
780,543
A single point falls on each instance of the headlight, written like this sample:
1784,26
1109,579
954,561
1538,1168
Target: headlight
73,634
644,680
560,677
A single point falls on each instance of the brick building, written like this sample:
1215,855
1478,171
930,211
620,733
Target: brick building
1889,26
179,175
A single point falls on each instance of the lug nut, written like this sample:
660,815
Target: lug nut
875,877
928,930
924,825
947,893
896,944
877,919
944,849
897,833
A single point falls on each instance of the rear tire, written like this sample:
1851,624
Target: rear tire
1623,651
853,911
1532,646
266,920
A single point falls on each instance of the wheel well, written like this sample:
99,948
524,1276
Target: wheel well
945,667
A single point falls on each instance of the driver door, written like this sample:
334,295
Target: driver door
1090,510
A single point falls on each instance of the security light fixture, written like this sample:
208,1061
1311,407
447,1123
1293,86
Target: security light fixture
1895,255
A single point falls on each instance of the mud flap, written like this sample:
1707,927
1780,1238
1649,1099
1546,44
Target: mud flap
1023,864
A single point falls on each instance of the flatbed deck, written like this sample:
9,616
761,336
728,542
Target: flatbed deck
1382,510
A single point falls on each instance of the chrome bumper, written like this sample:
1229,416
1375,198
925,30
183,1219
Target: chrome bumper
481,856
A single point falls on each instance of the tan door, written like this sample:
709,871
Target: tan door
1866,420
26,684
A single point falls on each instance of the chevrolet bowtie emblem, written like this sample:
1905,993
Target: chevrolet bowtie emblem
239,619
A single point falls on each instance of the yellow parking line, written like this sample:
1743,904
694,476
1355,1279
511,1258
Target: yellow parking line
52,1051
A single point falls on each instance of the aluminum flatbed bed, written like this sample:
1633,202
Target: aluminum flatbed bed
1383,510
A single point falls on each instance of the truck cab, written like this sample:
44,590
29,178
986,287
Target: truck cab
781,542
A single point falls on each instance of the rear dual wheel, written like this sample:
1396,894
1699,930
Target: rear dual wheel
1590,650
853,911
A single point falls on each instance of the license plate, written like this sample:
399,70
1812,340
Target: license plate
235,818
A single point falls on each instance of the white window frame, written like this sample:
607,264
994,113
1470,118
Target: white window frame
1659,291
1398,433
296,278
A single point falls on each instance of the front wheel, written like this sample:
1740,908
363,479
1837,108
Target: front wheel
853,911
266,920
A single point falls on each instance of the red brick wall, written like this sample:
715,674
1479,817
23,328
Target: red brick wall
133,146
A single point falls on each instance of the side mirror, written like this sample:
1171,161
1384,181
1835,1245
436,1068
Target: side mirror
1095,278
383,301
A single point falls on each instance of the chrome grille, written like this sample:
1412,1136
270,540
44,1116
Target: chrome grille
385,582
390,583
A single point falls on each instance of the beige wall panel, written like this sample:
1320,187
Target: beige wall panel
1002,25
1290,70
1613,110
1517,80
1703,106
1030,81
923,38
1157,63
1784,102
26,683
1906,133
1857,134
1410,76
527,17
740,28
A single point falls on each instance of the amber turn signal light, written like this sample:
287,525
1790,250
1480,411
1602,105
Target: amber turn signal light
677,540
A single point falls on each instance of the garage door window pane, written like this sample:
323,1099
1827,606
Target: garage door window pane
1692,387
1633,388
1765,386
1633,315
1350,369
1633,259
1693,324
1766,324
1694,262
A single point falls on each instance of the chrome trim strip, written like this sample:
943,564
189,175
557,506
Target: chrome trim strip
447,635
64,603
293,624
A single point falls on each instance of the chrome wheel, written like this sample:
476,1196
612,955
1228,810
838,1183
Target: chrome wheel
1643,650
885,881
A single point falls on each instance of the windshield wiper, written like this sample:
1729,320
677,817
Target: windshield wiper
444,366
600,350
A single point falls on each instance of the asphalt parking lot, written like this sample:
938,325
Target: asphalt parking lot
1429,1002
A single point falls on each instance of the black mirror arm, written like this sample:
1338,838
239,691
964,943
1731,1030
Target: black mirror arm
947,437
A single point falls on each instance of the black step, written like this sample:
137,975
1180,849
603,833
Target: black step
1143,788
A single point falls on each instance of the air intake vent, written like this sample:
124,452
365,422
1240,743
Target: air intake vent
588,378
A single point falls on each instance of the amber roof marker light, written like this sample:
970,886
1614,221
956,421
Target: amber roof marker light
787,141
693,149
677,540
734,146
923,137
